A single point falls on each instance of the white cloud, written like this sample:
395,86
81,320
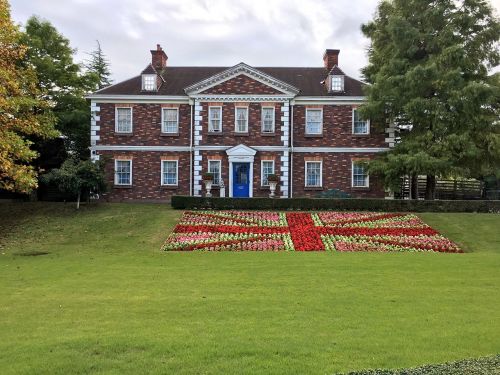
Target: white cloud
210,32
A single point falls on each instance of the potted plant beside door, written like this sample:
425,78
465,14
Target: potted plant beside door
273,180
208,179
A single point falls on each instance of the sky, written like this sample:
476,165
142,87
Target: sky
210,32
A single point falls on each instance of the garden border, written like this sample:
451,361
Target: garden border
182,202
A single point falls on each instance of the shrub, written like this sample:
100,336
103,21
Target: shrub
480,366
386,205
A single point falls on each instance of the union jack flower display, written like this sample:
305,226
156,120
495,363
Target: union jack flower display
297,231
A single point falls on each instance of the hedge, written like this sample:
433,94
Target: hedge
481,366
395,205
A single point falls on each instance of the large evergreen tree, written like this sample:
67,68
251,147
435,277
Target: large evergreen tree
23,112
98,69
63,81
428,69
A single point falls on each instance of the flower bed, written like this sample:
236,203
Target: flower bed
297,231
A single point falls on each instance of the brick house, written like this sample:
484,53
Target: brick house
163,129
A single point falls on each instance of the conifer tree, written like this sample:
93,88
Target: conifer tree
428,70
98,68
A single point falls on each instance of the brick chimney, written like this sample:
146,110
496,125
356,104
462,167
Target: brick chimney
158,58
331,58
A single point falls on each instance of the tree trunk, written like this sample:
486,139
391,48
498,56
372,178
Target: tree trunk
78,201
414,186
430,187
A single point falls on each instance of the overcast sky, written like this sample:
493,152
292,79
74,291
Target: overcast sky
210,32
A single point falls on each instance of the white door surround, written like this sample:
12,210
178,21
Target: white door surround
241,154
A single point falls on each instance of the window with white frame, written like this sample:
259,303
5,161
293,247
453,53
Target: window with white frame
267,119
359,125
149,82
314,121
359,175
241,123
215,119
313,174
337,83
169,172
267,168
123,172
170,121
123,122
214,167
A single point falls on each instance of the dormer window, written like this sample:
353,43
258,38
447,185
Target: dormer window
149,82
337,83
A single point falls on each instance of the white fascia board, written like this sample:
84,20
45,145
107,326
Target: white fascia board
328,99
258,148
340,149
241,98
100,98
139,148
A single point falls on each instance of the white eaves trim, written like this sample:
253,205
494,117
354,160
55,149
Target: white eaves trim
328,100
102,98
139,148
340,149
180,148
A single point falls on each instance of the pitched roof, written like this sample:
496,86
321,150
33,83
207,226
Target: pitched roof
177,78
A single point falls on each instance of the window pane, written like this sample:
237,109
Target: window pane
214,168
241,120
359,176
215,119
267,169
314,121
124,120
149,82
313,174
336,83
123,172
360,125
268,120
169,172
170,120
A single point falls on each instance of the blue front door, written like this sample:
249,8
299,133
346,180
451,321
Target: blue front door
241,180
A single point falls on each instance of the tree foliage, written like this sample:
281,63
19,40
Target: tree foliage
77,177
428,69
23,111
62,80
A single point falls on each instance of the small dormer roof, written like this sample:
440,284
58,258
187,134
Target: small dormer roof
336,71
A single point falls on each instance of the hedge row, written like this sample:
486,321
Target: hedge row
480,366
395,205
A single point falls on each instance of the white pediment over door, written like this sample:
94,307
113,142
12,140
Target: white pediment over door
241,153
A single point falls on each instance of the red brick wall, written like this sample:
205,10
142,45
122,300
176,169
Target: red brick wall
336,175
146,176
254,137
241,84
337,129
146,126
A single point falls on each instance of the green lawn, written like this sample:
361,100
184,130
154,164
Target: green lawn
106,300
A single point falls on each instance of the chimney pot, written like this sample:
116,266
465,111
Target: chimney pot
331,58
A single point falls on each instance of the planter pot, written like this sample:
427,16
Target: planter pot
208,187
272,187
